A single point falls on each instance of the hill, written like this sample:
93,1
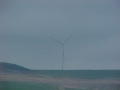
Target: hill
84,74
12,68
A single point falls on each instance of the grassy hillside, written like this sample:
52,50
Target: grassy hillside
88,74
12,68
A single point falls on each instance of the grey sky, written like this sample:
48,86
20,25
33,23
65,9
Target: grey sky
27,25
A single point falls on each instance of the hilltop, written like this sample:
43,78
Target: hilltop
12,68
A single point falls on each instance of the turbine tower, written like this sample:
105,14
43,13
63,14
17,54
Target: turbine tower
62,44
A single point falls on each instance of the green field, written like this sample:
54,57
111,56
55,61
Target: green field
84,74
48,80
28,86
25,86
4,85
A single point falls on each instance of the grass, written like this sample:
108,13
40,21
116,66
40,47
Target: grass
25,86
4,85
84,74
73,89
28,86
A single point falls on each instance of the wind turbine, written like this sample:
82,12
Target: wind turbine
62,44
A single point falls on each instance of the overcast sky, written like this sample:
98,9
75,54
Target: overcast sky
27,29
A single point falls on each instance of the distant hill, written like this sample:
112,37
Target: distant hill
12,68
89,74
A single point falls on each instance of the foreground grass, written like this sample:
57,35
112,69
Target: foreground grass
25,86
28,86
40,86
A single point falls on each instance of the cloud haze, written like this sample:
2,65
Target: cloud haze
26,28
